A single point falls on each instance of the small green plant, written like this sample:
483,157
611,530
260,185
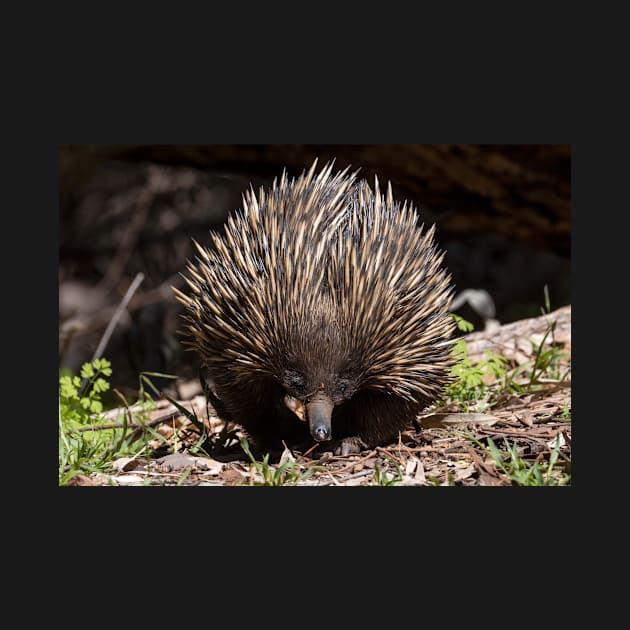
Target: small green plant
183,476
87,442
80,396
463,324
521,472
385,478
470,389
543,368
545,365
287,474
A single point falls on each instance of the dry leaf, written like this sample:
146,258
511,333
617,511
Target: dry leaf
123,464
80,480
414,472
175,461
179,461
128,480
553,443
446,420
465,472
419,475
208,465
287,456
411,464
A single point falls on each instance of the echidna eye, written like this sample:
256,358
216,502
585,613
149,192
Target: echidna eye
342,385
295,380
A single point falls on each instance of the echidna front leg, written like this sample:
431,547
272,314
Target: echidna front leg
348,445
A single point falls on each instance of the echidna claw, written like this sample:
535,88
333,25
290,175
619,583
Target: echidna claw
350,446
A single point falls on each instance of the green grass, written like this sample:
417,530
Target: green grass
543,368
287,474
88,442
521,472
385,478
469,390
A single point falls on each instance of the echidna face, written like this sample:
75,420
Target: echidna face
320,357
338,384
314,387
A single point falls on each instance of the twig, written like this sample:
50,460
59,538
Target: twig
481,465
353,464
389,454
126,404
119,311
311,449
85,325
361,473
120,425
541,437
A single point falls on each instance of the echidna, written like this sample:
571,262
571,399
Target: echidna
326,294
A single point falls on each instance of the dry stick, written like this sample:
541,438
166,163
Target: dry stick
481,465
124,402
112,324
418,449
137,432
353,464
335,482
517,434
361,473
79,326
117,315
311,449
103,427
387,452
119,425
114,320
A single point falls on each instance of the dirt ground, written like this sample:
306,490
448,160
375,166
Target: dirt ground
445,447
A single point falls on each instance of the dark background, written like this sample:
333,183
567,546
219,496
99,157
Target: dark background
502,214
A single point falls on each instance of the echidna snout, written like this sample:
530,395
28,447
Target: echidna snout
319,412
